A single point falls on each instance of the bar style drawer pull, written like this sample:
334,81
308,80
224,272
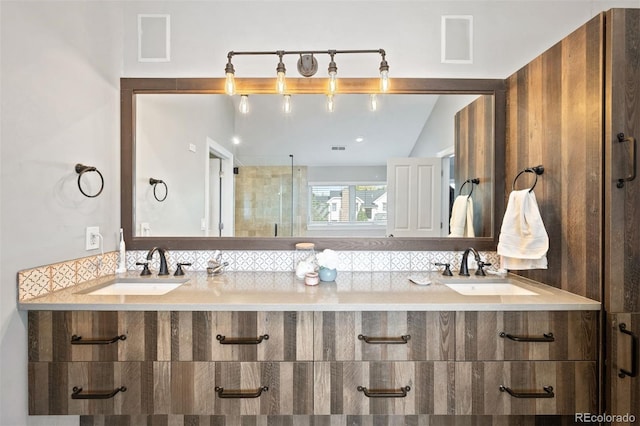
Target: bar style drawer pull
546,337
384,393
634,353
548,393
385,340
241,340
95,395
77,340
240,393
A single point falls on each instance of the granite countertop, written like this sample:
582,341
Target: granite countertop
282,291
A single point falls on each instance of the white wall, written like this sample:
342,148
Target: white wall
60,64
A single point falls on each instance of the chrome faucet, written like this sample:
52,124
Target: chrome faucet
464,266
163,259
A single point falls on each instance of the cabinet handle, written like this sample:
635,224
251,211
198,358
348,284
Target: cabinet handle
384,393
240,393
385,340
546,337
95,395
634,353
632,176
241,340
77,340
548,393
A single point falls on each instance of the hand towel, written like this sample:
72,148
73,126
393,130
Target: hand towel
523,241
461,223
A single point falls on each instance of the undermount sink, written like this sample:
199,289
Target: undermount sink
489,287
136,287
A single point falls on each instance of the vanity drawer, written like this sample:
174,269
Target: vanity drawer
354,336
455,388
170,336
51,385
534,335
233,388
91,336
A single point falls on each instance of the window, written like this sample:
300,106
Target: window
358,204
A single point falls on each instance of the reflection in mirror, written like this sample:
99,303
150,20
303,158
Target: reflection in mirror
353,172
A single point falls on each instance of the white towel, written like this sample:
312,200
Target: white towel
523,242
461,223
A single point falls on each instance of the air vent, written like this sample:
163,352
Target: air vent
338,148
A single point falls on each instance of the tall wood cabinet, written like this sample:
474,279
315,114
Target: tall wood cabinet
622,212
575,110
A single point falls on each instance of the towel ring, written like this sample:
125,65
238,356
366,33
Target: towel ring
155,183
82,169
537,171
473,182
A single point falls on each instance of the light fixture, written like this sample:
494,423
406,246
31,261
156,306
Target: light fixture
384,72
235,140
230,84
330,103
307,66
373,102
244,104
281,83
333,71
286,105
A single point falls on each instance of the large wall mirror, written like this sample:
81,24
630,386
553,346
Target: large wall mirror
360,171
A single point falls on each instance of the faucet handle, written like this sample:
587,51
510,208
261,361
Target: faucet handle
481,265
179,270
447,271
145,268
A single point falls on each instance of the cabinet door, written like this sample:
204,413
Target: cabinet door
349,336
233,388
534,335
623,395
90,388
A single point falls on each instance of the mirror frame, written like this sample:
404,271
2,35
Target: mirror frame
130,87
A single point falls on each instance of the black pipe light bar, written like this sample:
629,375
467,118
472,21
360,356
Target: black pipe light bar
307,67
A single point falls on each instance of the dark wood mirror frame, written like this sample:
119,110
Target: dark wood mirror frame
130,87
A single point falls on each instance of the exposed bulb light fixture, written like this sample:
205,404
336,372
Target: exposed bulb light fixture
230,84
333,71
330,103
286,105
384,73
373,102
244,104
281,83
307,66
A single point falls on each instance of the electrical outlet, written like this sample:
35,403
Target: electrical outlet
92,240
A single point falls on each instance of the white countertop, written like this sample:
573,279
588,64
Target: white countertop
282,291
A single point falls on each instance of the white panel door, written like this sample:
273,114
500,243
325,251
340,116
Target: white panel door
414,197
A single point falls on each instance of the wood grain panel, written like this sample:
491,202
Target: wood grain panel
622,243
554,118
432,335
623,394
575,334
474,136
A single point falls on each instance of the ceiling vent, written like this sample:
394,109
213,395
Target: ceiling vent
338,148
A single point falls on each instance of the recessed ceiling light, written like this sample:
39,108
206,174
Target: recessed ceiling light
236,140
359,139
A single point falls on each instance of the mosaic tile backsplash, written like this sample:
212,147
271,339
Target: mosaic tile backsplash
42,280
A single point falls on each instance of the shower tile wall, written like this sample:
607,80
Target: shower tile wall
264,200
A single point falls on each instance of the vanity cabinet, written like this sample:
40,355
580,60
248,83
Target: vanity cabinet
462,363
170,362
